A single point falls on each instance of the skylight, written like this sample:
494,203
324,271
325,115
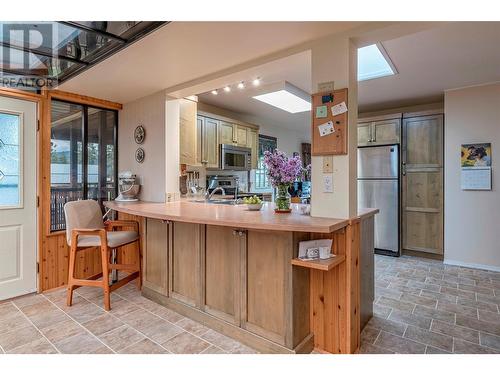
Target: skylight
286,97
373,62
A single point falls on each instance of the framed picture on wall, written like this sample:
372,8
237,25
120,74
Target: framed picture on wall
476,155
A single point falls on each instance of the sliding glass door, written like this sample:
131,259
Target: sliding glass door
83,156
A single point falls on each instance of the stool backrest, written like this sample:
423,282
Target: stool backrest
84,214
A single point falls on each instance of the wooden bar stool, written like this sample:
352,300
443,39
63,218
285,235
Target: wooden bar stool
85,228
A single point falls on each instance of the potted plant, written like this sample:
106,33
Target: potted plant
282,171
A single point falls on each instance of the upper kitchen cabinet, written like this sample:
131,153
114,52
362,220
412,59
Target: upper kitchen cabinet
187,129
380,132
207,141
241,135
253,143
226,133
364,133
210,148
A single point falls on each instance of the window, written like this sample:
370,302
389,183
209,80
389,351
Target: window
83,157
10,160
266,143
60,50
374,62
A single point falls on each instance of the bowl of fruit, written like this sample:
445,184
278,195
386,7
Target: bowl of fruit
253,203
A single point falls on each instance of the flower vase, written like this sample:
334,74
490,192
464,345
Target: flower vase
282,200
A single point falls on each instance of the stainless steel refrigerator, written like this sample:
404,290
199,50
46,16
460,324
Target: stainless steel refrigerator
378,187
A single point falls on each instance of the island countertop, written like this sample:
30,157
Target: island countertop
233,216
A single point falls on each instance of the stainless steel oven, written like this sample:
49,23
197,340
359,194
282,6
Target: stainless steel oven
234,158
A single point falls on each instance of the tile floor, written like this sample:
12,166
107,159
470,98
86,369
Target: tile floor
424,306
421,306
44,324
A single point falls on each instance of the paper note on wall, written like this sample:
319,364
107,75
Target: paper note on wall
321,111
338,109
326,128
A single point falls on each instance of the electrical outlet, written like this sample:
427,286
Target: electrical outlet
327,164
327,183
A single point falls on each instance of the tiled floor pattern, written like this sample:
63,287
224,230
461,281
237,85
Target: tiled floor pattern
44,324
425,306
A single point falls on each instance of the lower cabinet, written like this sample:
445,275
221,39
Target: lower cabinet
277,294
155,257
242,277
185,262
222,272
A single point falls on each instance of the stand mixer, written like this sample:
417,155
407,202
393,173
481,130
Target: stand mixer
128,187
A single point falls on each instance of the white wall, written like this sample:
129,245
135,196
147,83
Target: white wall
150,112
472,218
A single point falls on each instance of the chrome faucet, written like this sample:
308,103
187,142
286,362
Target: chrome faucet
209,196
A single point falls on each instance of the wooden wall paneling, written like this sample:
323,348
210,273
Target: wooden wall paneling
352,286
335,143
334,296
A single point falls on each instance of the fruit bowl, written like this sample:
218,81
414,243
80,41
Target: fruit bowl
253,203
254,207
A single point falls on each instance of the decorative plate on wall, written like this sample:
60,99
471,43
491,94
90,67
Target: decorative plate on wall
139,155
139,134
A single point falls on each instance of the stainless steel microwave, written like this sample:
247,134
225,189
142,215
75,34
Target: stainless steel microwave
235,158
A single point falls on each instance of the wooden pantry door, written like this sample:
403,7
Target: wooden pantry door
422,174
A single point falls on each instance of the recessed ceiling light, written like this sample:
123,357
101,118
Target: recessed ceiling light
256,82
285,96
214,92
374,62
227,89
241,85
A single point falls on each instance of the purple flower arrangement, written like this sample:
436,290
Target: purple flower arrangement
282,170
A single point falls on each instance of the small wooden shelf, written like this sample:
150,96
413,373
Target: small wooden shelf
320,264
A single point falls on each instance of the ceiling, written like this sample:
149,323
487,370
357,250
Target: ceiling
429,62
295,69
183,51
455,55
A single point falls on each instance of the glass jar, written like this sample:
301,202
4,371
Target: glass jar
283,199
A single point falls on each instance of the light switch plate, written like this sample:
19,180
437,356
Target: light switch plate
327,164
327,183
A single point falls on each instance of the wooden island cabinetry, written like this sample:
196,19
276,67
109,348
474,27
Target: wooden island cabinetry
241,277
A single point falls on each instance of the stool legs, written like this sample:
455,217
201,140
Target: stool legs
105,277
71,273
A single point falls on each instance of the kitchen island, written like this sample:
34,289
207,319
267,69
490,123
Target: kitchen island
237,272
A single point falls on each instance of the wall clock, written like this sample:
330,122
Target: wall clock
139,134
139,155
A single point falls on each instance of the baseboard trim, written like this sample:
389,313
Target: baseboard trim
471,265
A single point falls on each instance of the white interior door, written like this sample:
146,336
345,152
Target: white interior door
18,231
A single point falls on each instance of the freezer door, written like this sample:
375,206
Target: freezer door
382,194
378,162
